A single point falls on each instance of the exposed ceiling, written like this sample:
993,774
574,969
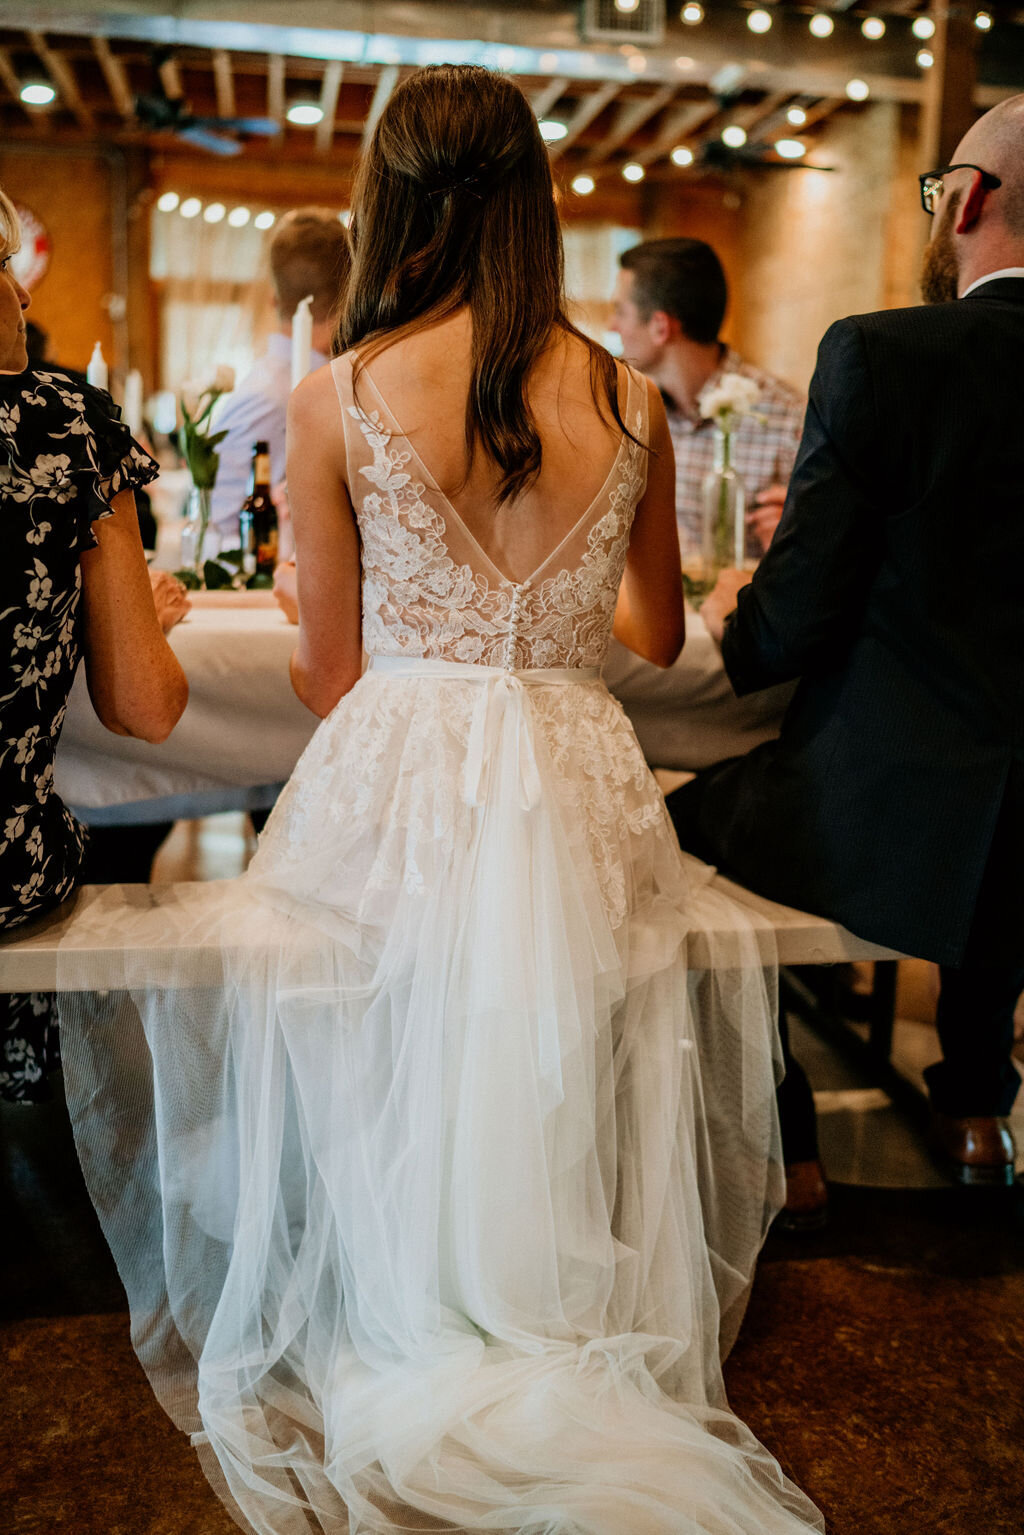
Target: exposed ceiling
619,103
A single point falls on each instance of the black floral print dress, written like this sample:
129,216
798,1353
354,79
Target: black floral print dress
64,455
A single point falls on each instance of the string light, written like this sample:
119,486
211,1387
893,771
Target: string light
858,90
692,14
821,25
759,21
213,213
790,149
551,130
190,207
681,155
925,58
796,116
264,221
239,217
873,28
583,185
983,21
734,136
167,202
923,27
633,171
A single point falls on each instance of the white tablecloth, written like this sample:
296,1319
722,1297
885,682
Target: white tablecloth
244,729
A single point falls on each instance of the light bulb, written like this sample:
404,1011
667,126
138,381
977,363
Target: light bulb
796,116
167,202
873,27
305,114
239,217
858,90
925,58
583,185
213,213
264,221
923,27
692,13
983,21
190,207
633,172
681,155
790,149
551,130
627,5
821,25
37,94
734,136
759,21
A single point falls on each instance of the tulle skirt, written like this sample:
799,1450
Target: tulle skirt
436,1152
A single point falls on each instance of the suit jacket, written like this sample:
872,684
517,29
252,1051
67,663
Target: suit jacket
894,590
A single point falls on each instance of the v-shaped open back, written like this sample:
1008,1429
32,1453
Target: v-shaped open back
430,588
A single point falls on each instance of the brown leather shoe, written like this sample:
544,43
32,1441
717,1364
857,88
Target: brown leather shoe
806,1207
977,1151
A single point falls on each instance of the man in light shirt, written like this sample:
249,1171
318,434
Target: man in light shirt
669,304
309,254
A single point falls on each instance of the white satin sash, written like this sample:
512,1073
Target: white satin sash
504,699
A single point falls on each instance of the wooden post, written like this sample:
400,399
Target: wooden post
948,109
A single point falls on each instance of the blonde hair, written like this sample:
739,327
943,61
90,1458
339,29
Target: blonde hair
10,227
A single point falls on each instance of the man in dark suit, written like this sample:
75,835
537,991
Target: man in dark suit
893,800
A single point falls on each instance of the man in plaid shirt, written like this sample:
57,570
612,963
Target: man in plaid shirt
669,304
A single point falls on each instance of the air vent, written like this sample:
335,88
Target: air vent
604,22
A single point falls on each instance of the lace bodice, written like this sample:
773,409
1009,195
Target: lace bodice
430,590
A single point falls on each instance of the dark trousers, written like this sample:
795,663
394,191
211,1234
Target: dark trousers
976,1075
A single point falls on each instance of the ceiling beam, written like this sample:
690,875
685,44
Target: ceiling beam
224,82
630,120
329,90
382,94
681,123
116,77
9,76
275,88
63,77
590,107
170,79
547,96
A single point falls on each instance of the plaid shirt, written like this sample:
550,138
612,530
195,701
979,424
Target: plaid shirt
763,454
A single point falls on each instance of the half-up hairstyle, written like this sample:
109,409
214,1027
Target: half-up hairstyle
453,205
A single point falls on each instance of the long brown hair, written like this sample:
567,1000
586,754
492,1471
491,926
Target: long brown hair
453,205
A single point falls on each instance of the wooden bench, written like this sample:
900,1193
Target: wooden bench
28,956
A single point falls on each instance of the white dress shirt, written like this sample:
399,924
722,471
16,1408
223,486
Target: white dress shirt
254,412
1006,271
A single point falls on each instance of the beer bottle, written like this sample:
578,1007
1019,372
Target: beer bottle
258,519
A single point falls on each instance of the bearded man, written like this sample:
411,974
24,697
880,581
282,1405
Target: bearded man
893,801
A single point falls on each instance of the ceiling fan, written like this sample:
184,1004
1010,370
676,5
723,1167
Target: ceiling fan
713,155
164,113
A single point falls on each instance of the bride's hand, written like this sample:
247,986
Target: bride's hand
285,590
721,601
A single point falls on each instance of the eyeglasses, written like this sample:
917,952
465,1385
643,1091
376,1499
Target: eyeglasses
931,183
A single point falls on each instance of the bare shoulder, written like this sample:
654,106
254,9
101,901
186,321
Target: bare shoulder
314,409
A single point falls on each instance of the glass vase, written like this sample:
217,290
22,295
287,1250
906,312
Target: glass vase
724,512
194,530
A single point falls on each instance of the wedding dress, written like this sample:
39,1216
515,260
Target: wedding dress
434,1163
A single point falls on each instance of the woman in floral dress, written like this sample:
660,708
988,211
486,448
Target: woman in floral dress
69,583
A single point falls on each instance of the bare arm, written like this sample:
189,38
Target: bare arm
135,681
650,616
328,658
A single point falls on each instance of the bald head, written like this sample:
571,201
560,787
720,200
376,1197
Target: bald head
996,143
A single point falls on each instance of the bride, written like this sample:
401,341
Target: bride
436,1152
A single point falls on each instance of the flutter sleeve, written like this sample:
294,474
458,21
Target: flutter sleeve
90,455
114,461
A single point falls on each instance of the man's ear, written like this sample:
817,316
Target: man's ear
971,206
661,326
